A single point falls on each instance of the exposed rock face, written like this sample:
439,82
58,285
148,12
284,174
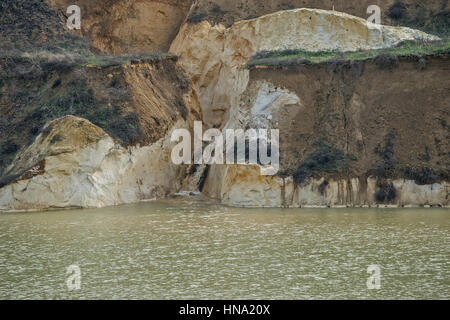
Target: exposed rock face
75,135
85,167
134,101
243,186
74,163
215,56
310,104
368,112
129,26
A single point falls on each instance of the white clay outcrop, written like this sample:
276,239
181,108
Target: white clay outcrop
215,56
85,167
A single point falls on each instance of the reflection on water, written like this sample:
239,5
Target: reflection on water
197,249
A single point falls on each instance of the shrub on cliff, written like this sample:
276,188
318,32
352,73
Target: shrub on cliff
197,17
324,159
422,16
397,11
386,192
386,166
77,98
422,175
124,127
29,25
9,147
386,61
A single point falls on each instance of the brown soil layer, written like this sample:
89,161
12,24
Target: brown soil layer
389,118
128,26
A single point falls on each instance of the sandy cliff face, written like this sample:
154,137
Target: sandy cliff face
128,26
243,186
215,56
338,110
75,163
93,131
351,134
85,167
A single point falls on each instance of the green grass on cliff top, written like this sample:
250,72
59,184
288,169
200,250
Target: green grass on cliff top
35,64
110,60
299,57
73,60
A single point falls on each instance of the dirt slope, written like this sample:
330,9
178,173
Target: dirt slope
362,108
128,26
135,102
33,25
365,133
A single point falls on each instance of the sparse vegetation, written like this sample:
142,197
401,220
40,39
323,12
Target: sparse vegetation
389,167
216,9
421,17
37,64
197,17
386,61
78,99
124,127
325,159
439,24
32,25
40,98
386,166
323,186
386,192
385,169
422,175
385,57
110,60
9,147
397,11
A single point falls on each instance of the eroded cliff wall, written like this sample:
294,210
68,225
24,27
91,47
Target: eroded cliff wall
215,57
129,26
361,133
80,130
52,157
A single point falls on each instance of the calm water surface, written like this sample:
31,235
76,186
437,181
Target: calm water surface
197,249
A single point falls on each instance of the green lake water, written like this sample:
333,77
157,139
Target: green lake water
198,249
